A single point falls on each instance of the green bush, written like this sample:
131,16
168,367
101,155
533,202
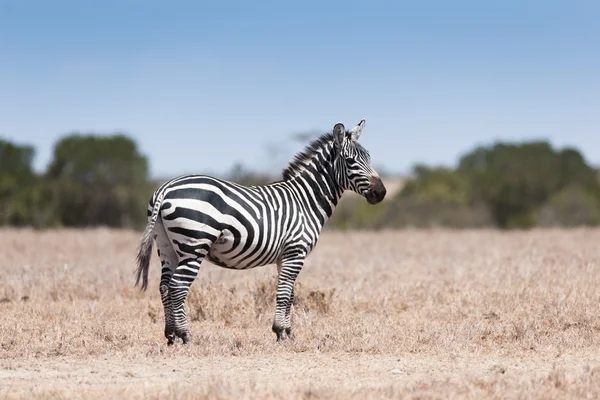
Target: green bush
572,206
515,180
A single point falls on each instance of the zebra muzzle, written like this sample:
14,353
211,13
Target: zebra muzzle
376,192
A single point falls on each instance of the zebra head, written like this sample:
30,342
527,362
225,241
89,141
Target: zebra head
353,164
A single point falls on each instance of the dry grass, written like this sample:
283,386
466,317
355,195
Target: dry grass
471,314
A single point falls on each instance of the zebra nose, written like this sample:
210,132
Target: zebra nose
377,190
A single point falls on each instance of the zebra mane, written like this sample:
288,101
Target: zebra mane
302,159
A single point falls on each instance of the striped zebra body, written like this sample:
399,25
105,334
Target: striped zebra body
197,217
247,227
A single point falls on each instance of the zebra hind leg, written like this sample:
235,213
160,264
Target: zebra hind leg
168,261
166,301
179,287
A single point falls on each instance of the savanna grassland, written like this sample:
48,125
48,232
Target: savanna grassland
408,314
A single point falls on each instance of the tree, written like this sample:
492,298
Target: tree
514,180
99,180
17,184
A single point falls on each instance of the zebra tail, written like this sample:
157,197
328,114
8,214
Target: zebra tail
145,249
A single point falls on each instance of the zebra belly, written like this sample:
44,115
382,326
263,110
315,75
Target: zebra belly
220,253
229,264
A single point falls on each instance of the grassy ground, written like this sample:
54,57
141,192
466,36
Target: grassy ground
410,314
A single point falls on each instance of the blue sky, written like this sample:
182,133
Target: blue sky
202,85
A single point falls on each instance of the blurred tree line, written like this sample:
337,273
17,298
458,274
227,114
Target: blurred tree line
91,180
104,180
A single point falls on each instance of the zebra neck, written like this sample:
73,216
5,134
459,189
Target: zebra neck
312,175
319,189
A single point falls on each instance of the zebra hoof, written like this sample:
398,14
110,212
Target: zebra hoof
282,335
170,338
185,338
170,335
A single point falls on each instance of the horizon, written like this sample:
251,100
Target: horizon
202,87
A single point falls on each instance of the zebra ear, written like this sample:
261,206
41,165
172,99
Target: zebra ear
358,129
339,134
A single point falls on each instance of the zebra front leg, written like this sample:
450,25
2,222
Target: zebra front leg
288,271
288,315
178,289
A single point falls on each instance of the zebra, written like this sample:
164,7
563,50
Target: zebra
196,217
